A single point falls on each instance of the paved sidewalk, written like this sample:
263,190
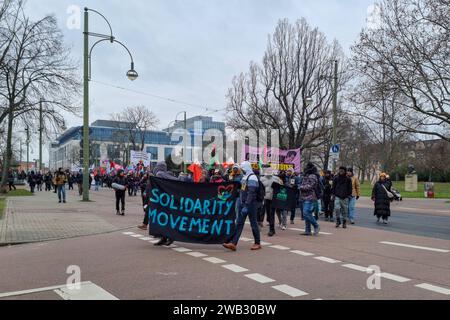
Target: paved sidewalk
42,218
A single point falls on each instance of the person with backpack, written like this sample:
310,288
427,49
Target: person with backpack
252,192
342,192
309,189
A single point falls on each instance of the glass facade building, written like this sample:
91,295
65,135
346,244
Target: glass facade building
110,140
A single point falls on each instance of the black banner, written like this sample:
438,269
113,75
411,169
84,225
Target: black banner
284,198
191,212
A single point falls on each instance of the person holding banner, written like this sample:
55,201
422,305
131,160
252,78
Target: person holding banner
161,172
247,206
120,185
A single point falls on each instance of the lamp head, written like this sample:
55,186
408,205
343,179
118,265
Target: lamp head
132,74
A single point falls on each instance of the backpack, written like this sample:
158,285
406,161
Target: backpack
261,193
319,188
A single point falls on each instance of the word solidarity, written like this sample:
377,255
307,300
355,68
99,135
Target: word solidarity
201,213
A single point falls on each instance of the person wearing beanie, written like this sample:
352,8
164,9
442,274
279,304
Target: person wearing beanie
309,190
268,180
356,193
342,192
292,181
120,194
247,207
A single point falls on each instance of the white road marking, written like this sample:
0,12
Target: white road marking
280,247
263,243
259,278
145,239
137,235
89,291
127,233
214,260
356,267
303,230
245,239
394,277
414,247
325,259
197,254
154,241
235,268
318,299
30,291
181,249
433,288
302,253
290,291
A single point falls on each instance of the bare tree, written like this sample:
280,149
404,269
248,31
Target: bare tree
36,65
408,57
297,65
140,120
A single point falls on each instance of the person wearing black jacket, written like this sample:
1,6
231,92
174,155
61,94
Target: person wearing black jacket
342,192
328,188
120,194
11,179
32,181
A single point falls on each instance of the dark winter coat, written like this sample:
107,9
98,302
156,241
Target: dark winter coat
382,201
122,181
342,187
327,187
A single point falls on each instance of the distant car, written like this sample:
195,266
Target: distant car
397,194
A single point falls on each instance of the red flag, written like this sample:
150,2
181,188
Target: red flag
196,170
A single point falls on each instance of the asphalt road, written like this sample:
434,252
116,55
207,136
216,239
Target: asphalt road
125,264
421,224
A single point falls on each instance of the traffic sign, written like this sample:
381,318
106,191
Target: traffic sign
336,149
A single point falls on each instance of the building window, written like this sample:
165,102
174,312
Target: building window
154,152
167,152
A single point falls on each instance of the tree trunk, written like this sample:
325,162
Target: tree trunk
8,156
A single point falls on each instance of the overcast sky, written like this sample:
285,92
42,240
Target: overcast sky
187,50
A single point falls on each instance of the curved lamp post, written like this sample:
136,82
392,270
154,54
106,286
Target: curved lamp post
131,74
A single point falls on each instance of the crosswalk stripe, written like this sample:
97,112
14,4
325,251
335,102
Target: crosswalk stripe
394,277
214,260
182,250
235,268
290,291
302,253
259,278
325,259
280,247
197,254
433,288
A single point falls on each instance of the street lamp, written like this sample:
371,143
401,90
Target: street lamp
131,74
184,140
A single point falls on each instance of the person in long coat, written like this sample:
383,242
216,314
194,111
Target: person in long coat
381,199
